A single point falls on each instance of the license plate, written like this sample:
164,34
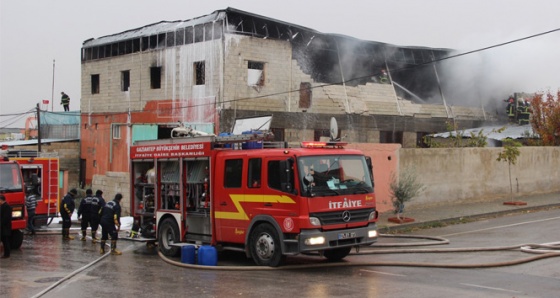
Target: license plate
346,235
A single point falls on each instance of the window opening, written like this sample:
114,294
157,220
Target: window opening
125,80
95,84
199,75
155,77
255,73
305,94
116,132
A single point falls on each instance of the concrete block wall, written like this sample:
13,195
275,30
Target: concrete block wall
112,183
177,78
474,174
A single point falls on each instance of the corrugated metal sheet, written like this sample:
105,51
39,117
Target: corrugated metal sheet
492,132
163,26
34,142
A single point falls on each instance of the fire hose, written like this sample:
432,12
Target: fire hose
543,251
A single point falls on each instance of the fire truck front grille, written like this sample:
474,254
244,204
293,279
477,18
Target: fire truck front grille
341,216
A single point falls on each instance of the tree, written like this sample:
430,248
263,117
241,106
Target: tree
509,155
545,118
403,189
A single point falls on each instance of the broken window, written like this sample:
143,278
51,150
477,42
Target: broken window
125,80
189,35
255,74
95,84
199,75
305,94
199,33
180,37
155,77
208,31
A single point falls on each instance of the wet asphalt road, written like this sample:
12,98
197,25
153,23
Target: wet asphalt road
46,266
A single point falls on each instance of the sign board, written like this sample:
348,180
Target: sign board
252,123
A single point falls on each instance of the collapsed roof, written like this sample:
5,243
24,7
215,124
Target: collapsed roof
328,58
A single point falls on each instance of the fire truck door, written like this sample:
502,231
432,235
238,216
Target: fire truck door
235,198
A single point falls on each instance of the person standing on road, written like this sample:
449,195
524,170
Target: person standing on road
97,203
84,210
31,205
5,225
111,217
66,211
65,101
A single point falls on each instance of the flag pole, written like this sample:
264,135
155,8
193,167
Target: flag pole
52,92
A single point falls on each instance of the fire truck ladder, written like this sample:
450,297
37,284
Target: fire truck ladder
52,180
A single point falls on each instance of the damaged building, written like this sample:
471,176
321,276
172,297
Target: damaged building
208,71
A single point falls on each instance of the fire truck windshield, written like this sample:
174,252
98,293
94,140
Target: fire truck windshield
10,179
331,175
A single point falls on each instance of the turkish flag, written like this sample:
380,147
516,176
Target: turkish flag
46,101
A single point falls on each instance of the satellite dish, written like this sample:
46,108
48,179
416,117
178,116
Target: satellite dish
334,129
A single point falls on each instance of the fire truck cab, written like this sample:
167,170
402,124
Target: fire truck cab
11,186
236,193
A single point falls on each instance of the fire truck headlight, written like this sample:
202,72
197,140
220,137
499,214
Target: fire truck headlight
372,216
372,234
314,221
315,240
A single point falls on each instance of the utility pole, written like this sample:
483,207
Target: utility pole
38,128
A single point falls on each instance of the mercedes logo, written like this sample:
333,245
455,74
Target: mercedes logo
346,216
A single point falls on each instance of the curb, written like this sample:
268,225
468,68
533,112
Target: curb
407,226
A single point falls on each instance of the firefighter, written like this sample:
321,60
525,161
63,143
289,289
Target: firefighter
111,217
5,226
66,211
97,203
84,210
65,101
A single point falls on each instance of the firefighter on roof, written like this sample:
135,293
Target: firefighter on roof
111,218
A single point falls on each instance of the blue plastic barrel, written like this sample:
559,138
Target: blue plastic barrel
188,254
207,255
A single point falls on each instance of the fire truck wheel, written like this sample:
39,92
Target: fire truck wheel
337,254
167,236
17,239
265,246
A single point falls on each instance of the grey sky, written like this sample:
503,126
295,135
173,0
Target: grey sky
33,33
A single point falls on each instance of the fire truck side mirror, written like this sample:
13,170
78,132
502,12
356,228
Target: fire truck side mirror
370,168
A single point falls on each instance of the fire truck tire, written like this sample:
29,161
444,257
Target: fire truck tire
167,235
337,254
17,239
264,246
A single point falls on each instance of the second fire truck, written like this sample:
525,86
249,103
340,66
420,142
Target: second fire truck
234,193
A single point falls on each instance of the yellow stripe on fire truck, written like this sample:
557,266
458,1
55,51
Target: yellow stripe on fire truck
241,198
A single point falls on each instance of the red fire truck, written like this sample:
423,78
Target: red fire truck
235,193
11,186
41,174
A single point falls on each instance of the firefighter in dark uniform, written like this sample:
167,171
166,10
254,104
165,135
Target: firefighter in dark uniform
84,210
111,217
66,211
97,203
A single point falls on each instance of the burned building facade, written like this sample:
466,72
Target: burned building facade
208,71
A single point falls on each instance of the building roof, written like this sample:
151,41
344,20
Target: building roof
35,141
228,15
